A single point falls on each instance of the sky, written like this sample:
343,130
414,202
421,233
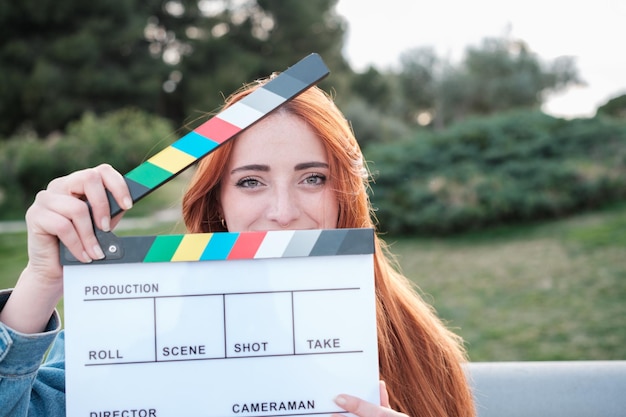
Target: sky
593,32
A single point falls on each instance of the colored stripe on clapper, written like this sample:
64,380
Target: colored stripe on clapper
207,137
242,245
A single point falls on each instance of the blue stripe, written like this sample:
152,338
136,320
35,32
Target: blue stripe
219,246
195,144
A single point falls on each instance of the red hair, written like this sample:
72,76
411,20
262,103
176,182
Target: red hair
420,359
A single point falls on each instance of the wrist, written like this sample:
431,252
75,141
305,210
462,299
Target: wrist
32,302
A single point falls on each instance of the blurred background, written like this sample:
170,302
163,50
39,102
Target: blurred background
589,31
495,133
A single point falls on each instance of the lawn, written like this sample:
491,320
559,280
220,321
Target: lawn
552,291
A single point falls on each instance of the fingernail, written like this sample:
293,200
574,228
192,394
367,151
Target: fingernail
128,203
106,224
86,257
340,400
98,250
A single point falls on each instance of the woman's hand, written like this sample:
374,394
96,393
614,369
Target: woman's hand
60,213
363,408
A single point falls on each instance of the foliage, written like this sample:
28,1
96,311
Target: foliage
514,167
375,88
419,80
171,58
239,42
499,75
615,107
122,138
370,125
61,59
179,58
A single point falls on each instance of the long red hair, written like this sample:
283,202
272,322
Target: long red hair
420,359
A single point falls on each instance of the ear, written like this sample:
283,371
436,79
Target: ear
220,211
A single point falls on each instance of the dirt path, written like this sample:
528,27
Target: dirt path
163,216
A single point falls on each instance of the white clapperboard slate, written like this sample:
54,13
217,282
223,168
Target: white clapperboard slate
251,324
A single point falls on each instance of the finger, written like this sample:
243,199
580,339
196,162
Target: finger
87,185
384,395
103,178
356,405
67,234
95,193
364,408
44,231
117,186
115,220
67,218
91,184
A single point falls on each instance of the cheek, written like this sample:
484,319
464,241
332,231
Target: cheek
239,219
328,210
235,211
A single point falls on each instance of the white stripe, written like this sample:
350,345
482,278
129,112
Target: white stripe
274,244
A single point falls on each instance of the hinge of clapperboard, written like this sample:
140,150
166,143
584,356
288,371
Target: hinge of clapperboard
186,151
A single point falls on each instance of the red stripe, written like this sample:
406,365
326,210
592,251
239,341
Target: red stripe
217,130
247,245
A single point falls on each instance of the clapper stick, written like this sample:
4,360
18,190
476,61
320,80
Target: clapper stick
174,159
207,137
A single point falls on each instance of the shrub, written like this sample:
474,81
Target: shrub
122,138
512,167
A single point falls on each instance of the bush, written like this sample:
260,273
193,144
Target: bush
513,167
372,126
122,138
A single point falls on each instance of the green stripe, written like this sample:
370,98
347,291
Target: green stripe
149,175
163,248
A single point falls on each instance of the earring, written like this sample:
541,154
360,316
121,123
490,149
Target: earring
223,223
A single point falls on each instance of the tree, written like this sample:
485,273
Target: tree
234,42
418,78
615,107
375,88
60,59
175,58
500,74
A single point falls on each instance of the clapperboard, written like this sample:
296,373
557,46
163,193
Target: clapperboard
253,324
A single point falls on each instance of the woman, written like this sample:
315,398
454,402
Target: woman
299,168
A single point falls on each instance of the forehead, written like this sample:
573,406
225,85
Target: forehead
279,134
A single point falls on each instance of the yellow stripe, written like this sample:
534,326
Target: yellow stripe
191,247
172,159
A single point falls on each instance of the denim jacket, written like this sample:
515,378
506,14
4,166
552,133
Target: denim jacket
30,386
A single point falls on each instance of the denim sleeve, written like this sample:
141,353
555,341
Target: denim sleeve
30,386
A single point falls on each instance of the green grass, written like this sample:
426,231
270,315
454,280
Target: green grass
13,257
553,291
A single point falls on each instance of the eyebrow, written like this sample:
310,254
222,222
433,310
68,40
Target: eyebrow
307,165
265,168
251,167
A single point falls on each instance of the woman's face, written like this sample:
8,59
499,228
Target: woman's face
278,178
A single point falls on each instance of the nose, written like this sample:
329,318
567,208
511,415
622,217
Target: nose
284,209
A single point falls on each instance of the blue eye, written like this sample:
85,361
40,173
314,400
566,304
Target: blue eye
248,183
315,179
